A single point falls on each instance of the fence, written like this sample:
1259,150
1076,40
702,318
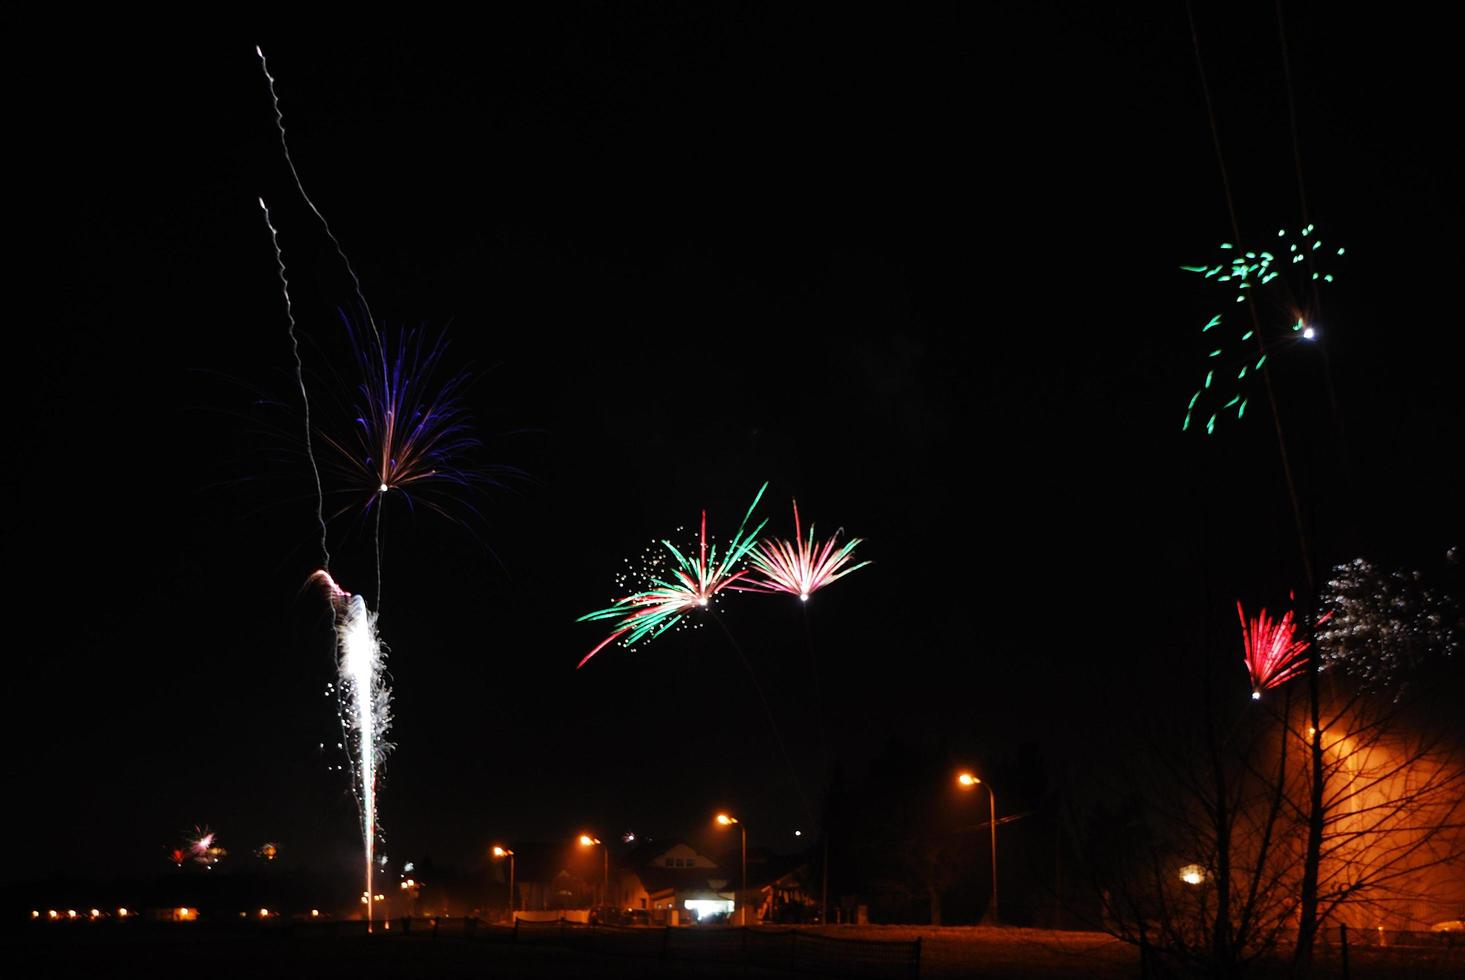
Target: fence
1396,937
793,950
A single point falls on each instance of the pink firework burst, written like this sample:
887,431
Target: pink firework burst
800,567
1274,653
201,843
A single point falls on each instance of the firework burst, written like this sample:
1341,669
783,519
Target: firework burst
202,848
674,584
410,432
1274,653
1382,626
800,567
1276,282
365,703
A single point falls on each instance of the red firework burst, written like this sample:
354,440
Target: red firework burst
1274,653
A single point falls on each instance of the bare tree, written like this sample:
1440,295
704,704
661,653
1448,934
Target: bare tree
1205,866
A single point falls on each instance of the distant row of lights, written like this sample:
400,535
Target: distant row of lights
55,914
182,914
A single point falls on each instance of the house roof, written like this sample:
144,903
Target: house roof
657,880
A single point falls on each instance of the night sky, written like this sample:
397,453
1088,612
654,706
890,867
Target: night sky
921,273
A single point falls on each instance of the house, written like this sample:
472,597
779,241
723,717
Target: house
674,878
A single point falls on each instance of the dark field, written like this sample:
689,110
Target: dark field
168,951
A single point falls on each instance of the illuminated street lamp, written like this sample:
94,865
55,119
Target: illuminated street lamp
504,852
966,780
586,840
725,820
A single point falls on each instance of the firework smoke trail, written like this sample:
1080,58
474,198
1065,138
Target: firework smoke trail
300,379
366,703
798,567
692,584
659,606
1274,653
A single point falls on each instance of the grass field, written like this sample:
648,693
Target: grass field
181,951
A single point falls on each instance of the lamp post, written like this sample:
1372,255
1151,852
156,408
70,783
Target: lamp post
586,840
967,780
727,820
504,852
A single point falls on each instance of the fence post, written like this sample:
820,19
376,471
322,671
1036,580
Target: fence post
793,941
1343,937
435,921
665,940
516,930
916,960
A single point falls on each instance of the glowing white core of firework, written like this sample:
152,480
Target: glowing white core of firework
360,672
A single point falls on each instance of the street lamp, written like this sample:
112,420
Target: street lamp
725,820
504,852
586,840
966,780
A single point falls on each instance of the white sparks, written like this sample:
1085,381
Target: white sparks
366,704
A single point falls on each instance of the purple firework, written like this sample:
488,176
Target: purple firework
410,431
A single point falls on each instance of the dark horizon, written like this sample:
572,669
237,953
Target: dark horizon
920,274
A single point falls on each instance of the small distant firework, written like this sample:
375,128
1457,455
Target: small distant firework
798,567
365,704
1250,275
1384,624
204,849
675,585
1274,654
268,850
178,855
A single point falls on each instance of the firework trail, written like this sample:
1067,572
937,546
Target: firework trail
799,567
685,584
365,704
1249,275
1274,653
345,260
300,186
300,380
